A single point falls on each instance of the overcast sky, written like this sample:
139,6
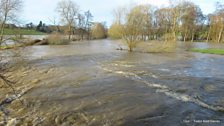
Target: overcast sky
36,10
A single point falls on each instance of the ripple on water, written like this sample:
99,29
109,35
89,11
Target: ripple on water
166,90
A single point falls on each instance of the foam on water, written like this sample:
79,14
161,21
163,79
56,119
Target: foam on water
165,90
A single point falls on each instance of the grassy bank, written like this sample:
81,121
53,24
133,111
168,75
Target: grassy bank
8,47
209,51
22,32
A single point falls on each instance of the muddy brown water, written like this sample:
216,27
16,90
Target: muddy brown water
92,83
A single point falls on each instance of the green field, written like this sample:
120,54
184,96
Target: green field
22,32
209,51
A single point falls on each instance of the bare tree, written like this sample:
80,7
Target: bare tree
220,14
55,23
133,26
147,26
8,12
167,21
163,22
216,22
119,15
210,27
68,10
81,26
84,24
98,31
175,15
191,18
89,18
115,30
181,18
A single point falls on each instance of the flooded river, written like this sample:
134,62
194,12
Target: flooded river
92,83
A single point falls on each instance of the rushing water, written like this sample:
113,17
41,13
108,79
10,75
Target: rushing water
92,83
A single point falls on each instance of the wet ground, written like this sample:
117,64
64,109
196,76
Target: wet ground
92,83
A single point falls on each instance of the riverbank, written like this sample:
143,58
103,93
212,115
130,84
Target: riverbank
8,31
209,51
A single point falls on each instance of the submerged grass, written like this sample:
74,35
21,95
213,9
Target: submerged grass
209,51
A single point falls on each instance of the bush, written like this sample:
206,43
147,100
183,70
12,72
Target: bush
56,39
98,31
115,31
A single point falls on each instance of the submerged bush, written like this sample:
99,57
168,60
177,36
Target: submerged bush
157,46
56,39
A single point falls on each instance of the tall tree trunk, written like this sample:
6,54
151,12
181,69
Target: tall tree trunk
82,35
209,32
174,36
185,35
192,37
58,29
220,34
3,28
69,36
174,25
2,31
129,43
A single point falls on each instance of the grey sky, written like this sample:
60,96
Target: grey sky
36,10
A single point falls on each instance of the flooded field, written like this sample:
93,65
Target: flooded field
92,83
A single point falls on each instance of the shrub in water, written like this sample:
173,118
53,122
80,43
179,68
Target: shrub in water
56,39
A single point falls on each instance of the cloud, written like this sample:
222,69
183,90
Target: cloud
155,3
36,10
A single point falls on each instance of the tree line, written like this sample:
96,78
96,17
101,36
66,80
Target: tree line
72,22
79,24
181,20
